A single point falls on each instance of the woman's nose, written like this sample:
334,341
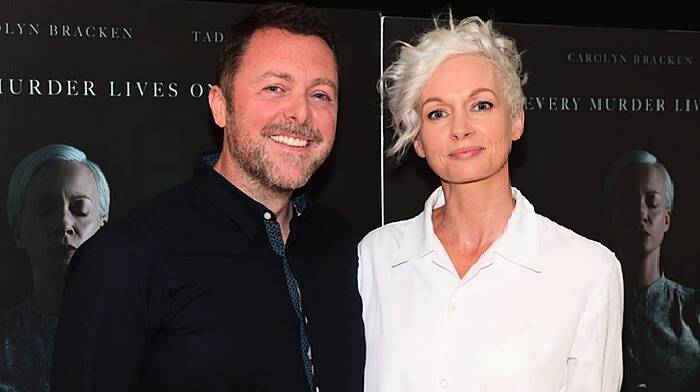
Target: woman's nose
643,212
67,222
460,126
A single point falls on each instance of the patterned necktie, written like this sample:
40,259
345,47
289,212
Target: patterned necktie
274,235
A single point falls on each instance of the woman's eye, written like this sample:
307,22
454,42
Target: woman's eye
653,201
80,208
437,114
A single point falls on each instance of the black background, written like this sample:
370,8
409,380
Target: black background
666,15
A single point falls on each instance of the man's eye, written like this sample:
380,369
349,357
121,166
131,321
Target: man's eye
483,105
274,89
322,96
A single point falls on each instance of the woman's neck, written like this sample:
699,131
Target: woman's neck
473,217
640,270
48,293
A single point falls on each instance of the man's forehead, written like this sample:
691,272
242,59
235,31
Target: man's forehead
268,40
284,34
285,55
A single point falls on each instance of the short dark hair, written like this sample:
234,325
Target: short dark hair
294,18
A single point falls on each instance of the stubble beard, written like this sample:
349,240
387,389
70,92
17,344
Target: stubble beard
265,172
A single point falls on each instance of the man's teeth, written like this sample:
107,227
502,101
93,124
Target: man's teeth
290,141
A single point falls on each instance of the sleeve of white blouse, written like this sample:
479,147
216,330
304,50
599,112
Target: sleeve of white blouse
595,362
364,271
359,268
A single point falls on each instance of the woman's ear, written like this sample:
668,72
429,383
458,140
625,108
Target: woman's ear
17,234
418,146
518,125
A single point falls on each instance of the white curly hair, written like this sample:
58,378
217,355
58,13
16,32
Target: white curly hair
403,80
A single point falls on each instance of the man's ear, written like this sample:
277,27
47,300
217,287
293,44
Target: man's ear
667,220
218,106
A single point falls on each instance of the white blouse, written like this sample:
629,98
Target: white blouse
541,310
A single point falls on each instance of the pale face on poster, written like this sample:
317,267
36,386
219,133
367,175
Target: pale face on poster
61,211
641,216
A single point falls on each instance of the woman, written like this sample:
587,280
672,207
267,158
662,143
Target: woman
478,292
57,199
662,317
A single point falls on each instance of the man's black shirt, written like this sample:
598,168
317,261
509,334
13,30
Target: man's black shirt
186,294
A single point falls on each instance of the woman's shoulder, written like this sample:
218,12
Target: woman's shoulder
392,240
558,245
394,230
563,245
690,294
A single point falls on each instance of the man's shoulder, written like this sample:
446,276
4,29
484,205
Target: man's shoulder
118,245
167,205
329,222
331,216
134,236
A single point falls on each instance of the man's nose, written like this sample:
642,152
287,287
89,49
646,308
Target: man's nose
297,109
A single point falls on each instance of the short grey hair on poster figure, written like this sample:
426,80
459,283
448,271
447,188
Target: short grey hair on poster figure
635,157
27,167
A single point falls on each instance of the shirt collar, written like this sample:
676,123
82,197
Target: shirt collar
520,241
418,241
518,244
246,212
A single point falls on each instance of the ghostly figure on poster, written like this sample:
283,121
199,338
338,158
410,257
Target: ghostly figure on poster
661,327
57,199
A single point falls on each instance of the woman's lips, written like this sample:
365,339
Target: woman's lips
466,152
65,251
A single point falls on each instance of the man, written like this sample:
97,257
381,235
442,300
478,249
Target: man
232,281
